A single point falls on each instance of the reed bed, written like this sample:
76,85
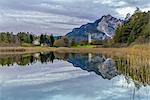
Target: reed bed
22,50
111,51
136,67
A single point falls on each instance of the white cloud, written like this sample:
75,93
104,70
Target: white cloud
119,3
146,9
106,1
123,11
103,1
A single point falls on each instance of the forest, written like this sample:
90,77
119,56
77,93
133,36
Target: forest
135,30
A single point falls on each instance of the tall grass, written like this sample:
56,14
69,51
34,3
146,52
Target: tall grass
136,67
142,50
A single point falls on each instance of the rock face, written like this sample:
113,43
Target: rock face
99,64
101,29
108,69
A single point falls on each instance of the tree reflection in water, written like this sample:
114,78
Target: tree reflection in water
135,68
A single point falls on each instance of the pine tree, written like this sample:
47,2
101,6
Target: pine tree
52,40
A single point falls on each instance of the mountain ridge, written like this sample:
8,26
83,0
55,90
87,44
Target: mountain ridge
100,29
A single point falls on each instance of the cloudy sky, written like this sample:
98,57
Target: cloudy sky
60,16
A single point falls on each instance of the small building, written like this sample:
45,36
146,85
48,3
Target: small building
89,38
36,42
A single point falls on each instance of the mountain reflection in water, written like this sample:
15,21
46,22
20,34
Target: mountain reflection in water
105,66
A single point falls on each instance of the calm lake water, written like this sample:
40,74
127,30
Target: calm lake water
64,76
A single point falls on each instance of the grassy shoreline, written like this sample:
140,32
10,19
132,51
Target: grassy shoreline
134,50
21,50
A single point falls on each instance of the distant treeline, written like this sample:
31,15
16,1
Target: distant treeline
8,38
22,38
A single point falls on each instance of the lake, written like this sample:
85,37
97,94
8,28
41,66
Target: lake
71,76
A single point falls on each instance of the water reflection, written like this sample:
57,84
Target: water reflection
135,70
26,59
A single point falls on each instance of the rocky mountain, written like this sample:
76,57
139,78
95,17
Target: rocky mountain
101,29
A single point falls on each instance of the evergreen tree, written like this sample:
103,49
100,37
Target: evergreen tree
31,38
52,40
41,39
73,42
